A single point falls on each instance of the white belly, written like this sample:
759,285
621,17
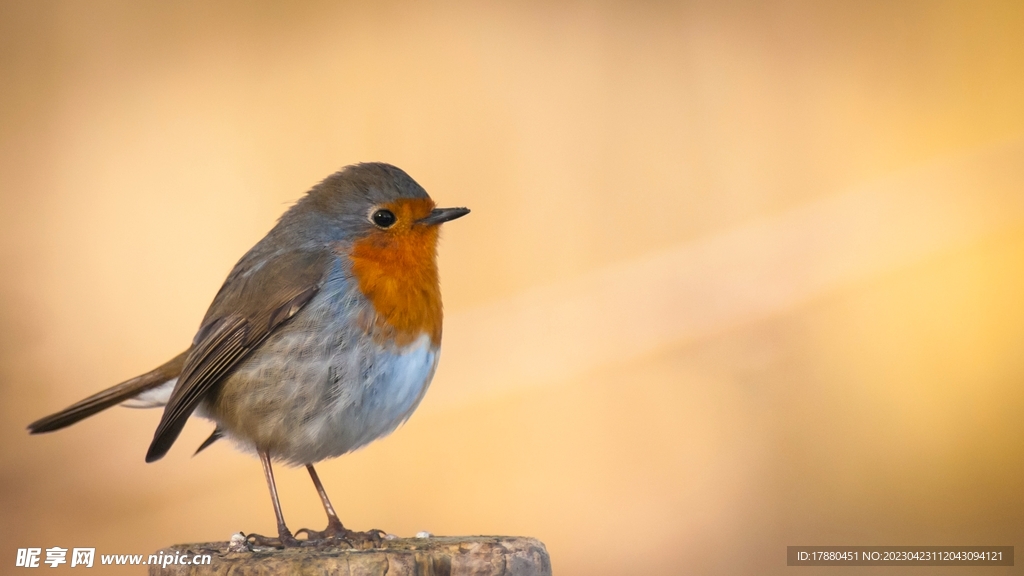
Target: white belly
381,403
324,401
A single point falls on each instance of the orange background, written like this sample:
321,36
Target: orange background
738,276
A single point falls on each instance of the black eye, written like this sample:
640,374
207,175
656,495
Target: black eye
383,218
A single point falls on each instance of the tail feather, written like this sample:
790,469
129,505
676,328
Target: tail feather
111,396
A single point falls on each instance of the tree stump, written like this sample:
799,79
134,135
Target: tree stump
433,556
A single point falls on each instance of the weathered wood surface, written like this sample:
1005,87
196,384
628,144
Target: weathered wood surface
434,556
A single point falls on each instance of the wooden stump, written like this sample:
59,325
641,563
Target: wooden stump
434,556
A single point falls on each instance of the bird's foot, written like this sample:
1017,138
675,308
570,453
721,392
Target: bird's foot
284,540
335,533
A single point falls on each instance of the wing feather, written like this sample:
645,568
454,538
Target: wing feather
248,308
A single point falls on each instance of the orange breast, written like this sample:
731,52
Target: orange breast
397,271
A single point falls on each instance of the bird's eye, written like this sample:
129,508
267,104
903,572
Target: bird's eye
383,218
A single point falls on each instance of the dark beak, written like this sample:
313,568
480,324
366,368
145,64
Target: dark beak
439,215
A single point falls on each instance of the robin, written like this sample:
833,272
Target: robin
324,337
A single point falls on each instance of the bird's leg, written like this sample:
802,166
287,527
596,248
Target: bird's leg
333,522
335,529
284,535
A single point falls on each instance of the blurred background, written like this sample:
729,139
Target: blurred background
738,275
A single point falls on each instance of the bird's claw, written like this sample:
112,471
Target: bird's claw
336,533
283,540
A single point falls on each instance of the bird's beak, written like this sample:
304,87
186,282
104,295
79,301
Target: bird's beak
439,215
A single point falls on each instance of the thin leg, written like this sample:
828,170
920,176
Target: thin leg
284,535
268,471
333,522
335,531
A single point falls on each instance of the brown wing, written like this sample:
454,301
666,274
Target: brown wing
257,297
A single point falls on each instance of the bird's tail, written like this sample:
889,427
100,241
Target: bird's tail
134,391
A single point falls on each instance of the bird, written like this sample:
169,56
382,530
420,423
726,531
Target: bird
323,338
